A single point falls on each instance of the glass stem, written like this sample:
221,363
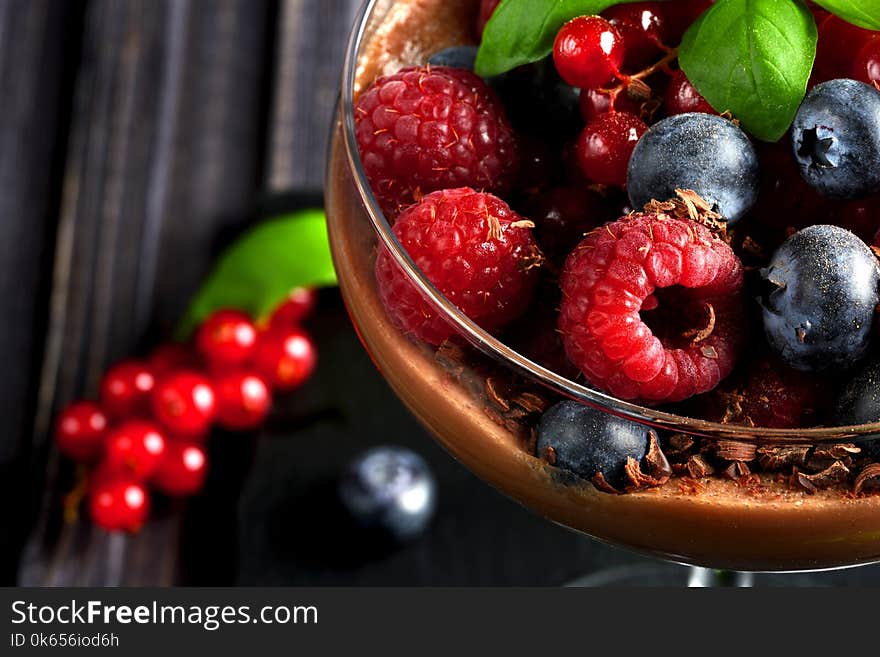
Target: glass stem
709,577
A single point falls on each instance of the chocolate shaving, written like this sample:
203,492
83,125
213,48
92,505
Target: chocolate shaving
751,247
690,205
549,455
530,402
494,397
679,444
775,458
658,469
699,334
534,258
495,232
737,471
697,467
824,456
599,482
451,357
868,474
522,223
835,473
735,450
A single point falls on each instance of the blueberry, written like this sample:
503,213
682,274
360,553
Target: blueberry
390,489
587,441
859,403
455,57
697,151
819,298
539,102
835,138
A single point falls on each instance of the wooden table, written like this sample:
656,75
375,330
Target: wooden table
137,137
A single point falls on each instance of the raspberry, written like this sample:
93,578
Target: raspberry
476,250
653,308
431,128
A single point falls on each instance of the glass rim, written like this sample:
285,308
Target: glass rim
497,349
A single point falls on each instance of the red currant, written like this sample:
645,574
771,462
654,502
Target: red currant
170,357
126,389
243,401
135,447
641,25
838,46
605,146
294,309
680,15
563,216
866,66
487,8
594,102
183,470
119,504
588,52
861,217
185,403
286,359
226,339
682,97
79,431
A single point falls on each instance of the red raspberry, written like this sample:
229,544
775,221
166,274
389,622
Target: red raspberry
476,250
689,280
487,8
424,129
682,97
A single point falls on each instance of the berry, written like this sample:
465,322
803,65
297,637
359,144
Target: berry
680,15
838,46
285,359
563,216
861,217
79,431
835,139
859,403
126,389
183,470
707,154
588,52
605,146
820,296
539,102
119,504
595,102
243,401
135,447
866,67
390,489
588,442
226,340
682,97
652,308
455,57
185,404
641,26
487,8
479,254
298,305
425,129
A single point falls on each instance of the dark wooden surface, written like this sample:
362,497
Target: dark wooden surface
136,138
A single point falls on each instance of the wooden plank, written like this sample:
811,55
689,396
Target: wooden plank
165,154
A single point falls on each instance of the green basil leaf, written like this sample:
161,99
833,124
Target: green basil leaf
522,31
864,13
259,270
753,59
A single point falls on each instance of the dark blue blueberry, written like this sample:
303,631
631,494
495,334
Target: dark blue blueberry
859,403
587,442
455,57
538,102
819,299
697,151
390,489
835,138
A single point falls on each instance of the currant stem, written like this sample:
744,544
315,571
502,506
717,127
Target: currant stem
77,494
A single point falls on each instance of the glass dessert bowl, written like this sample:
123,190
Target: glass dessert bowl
482,399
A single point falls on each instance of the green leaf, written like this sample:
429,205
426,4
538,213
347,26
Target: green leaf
259,270
522,31
753,59
864,13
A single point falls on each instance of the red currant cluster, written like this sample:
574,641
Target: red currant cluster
622,61
154,417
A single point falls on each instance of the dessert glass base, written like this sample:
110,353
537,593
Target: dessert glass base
480,399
